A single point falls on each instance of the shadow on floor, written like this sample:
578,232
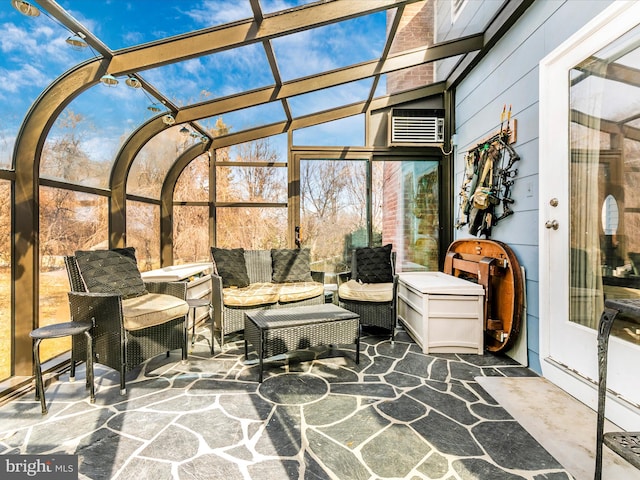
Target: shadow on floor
317,415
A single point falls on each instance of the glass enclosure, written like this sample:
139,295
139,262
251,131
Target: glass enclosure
188,141
605,183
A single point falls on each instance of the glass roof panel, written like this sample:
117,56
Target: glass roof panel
33,53
346,131
212,76
329,98
472,18
330,47
93,127
154,160
246,118
271,6
126,24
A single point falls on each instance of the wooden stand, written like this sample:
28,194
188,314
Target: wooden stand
493,265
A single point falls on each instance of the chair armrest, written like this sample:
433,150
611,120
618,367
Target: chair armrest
216,291
175,289
104,310
317,276
343,277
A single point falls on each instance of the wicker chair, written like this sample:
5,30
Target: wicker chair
372,310
114,345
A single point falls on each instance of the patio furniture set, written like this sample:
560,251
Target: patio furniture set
273,296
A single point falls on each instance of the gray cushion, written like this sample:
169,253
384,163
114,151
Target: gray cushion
291,265
229,264
111,271
374,264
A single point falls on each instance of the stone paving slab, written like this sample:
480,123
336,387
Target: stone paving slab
317,415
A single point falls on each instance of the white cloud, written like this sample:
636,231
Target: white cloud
216,12
15,80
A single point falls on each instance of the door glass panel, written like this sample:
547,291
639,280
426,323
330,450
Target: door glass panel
333,212
605,183
413,226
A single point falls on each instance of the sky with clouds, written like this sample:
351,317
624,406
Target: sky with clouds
33,53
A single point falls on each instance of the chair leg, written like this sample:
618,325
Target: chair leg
89,368
72,370
185,338
38,375
604,330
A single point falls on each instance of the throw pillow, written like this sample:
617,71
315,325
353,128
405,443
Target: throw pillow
111,271
291,265
374,264
230,265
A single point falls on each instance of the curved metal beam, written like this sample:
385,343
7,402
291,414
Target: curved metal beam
26,162
166,200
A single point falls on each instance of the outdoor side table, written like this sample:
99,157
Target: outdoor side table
59,330
194,304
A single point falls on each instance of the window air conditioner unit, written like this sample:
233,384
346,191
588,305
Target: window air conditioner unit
416,127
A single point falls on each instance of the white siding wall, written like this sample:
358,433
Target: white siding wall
509,75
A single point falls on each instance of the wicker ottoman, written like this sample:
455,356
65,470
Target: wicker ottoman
281,330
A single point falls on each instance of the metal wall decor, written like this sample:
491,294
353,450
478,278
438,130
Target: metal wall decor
485,194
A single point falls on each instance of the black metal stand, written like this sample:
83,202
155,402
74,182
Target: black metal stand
625,444
59,330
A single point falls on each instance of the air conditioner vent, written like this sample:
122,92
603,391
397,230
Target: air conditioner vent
412,126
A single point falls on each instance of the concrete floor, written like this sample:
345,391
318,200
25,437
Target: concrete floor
565,427
317,415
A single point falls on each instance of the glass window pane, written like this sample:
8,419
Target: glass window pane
413,228
79,151
251,184
142,21
154,160
346,131
332,97
69,221
213,76
271,149
193,183
605,185
252,228
330,47
190,234
143,233
34,54
5,280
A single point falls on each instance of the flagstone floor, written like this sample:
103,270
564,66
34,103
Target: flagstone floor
399,414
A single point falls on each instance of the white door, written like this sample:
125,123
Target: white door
590,207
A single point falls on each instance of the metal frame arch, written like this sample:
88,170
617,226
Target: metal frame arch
25,219
119,175
166,199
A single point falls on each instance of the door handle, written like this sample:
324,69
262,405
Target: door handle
551,224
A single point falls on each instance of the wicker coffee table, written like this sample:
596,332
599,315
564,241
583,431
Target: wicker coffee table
281,330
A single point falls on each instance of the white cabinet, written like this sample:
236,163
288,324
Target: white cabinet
197,276
442,313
